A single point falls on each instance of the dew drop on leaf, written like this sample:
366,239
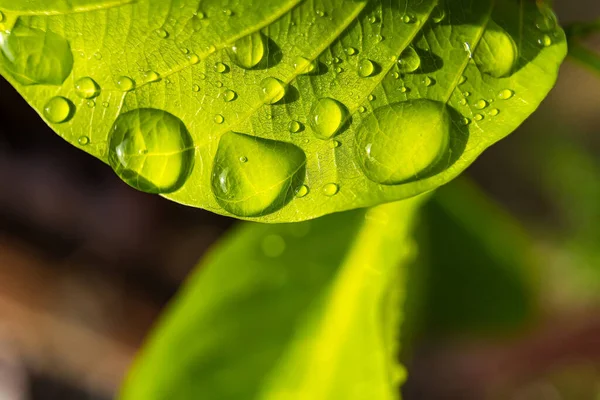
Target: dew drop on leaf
331,189
302,191
401,141
261,185
438,14
546,21
408,19
294,126
151,76
58,110
506,94
249,51
83,140
409,61
87,88
351,51
366,68
497,54
151,150
125,84
327,117
162,33
480,104
219,119
196,88
478,117
303,65
33,56
272,90
494,112
229,95
91,103
545,41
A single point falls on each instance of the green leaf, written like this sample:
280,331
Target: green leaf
352,102
290,311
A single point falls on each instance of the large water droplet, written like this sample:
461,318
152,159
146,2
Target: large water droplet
263,184
506,94
87,88
402,141
303,65
497,54
151,150
229,95
366,68
272,90
249,51
58,110
34,56
409,61
125,84
327,117
331,189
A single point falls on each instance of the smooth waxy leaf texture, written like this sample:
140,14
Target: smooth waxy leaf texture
290,311
282,110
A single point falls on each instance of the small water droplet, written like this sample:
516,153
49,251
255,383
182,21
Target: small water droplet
58,110
228,12
362,109
125,84
151,150
366,68
373,19
162,33
466,94
506,94
466,121
351,51
202,76
331,189
91,103
409,61
302,191
545,41
462,80
294,126
494,112
243,159
371,97
221,68
403,89
151,76
83,140
185,50
408,19
196,88
219,119
229,95
480,104
438,14
335,144
429,81
272,90
219,84
327,117
321,13
463,102
478,117
193,59
546,21
303,65
200,14
106,104
87,88
379,38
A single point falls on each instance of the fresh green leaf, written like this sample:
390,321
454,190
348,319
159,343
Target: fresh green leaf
352,102
294,311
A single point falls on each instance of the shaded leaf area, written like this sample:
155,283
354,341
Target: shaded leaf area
294,311
476,273
287,110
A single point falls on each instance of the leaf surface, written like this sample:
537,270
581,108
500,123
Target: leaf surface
291,311
282,110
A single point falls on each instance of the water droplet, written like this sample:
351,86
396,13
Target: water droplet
294,126
229,95
243,159
202,76
546,21
228,12
91,103
463,102
462,80
34,56
151,150
409,61
480,104
185,50
200,14
219,119
151,76
371,97
351,51
320,13
303,65
497,53
339,70
219,84
466,121
429,81
272,90
249,51
83,140
506,94
466,94
302,191
388,138
545,41
221,68
408,19
366,68
58,110
98,55
193,59
87,88
125,84
327,117
373,19
162,33
403,89
379,38
335,144
106,104
331,189
196,88
478,117
438,14
494,112
257,187
362,109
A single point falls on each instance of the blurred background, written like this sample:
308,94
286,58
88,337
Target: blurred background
87,264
